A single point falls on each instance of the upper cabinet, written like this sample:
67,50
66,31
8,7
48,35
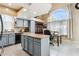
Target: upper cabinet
19,23
25,23
22,23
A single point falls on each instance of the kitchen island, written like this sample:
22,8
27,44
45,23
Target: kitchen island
35,44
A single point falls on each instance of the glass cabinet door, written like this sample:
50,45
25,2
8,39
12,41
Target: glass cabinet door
19,23
25,23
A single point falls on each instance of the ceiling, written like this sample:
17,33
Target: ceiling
25,10
36,9
14,6
29,10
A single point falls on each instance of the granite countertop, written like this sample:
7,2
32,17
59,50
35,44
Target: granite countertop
35,35
10,32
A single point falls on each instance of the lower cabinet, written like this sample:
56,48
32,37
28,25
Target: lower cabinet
30,45
7,39
11,39
4,40
26,43
22,41
37,49
36,46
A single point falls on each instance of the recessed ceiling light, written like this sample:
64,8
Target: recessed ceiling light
14,16
25,17
34,12
9,4
6,9
24,9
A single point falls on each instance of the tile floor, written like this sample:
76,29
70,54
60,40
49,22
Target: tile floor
14,50
65,49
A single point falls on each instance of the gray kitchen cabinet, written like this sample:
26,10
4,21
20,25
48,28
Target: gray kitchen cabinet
25,23
32,26
4,40
19,23
7,39
0,42
22,41
30,45
26,43
11,39
36,46
37,49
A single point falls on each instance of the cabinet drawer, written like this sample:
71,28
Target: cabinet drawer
37,43
37,40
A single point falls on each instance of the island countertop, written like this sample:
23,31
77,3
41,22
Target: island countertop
35,35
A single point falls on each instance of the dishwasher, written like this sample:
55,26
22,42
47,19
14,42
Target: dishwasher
17,38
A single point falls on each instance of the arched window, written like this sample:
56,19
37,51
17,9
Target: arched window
59,14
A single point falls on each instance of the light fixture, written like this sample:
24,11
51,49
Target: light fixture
25,17
6,9
14,17
35,13
9,4
24,9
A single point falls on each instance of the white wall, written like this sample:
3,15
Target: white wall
75,15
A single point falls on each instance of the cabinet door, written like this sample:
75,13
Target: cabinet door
5,40
32,26
19,23
11,38
30,45
22,41
0,41
25,23
26,40
37,49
